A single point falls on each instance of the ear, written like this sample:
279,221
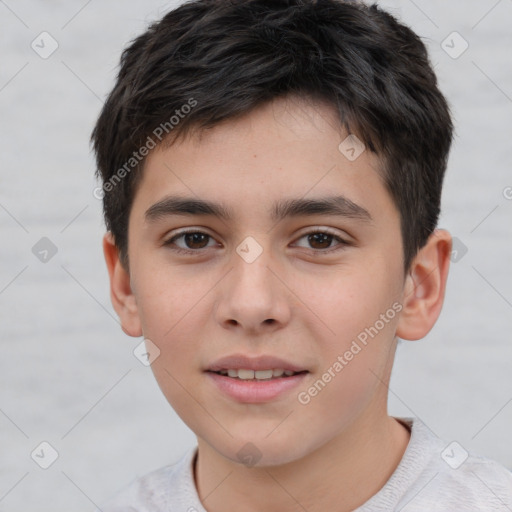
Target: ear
424,287
121,293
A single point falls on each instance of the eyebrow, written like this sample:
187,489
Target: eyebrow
332,205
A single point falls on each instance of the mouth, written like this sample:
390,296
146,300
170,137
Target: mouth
257,375
255,380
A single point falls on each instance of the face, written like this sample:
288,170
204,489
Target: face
318,287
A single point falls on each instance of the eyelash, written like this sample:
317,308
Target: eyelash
179,250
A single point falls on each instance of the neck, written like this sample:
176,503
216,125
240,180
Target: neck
340,475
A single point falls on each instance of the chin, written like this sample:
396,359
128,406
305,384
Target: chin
263,453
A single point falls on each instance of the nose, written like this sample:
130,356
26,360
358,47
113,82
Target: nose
253,297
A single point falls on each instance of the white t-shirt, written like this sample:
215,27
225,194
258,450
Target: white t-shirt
433,476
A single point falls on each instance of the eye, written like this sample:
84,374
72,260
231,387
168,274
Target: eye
193,240
321,239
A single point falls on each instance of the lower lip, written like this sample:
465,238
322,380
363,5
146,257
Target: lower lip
255,391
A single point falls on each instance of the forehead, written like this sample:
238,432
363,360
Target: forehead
265,161
284,120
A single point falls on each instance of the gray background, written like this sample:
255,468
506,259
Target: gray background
68,375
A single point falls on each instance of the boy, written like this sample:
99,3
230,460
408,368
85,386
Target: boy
272,174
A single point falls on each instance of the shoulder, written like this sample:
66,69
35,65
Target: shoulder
452,478
437,476
476,482
157,491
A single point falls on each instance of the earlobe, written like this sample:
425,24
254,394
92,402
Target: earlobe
424,288
121,293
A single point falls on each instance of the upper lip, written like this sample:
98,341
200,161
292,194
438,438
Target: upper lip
265,362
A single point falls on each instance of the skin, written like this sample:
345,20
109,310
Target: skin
338,450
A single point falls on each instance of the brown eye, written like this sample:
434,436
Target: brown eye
320,241
189,242
195,240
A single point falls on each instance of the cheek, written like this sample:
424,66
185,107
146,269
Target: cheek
348,300
353,368
359,312
167,298
175,310
172,315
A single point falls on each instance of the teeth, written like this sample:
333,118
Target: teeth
244,374
263,374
